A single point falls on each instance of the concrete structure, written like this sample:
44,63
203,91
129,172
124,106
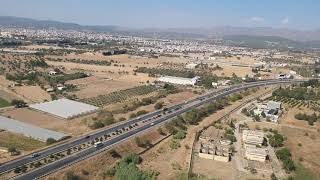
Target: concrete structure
253,137
179,80
256,154
213,147
192,66
65,108
28,130
273,105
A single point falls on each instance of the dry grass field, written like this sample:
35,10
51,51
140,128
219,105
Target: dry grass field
73,127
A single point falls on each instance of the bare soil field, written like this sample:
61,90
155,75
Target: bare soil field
32,93
307,153
213,169
289,119
104,84
73,127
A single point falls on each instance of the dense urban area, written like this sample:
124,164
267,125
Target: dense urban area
96,105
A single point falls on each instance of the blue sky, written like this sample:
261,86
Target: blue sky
295,14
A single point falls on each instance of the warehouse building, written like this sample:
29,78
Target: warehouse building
65,108
28,130
179,80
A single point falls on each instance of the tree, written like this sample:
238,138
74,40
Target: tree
276,140
180,135
158,105
114,153
50,141
70,176
273,177
18,103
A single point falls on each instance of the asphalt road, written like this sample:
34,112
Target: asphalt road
86,153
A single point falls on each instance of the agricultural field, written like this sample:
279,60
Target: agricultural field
4,103
120,96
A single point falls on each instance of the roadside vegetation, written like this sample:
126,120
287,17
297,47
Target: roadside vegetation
127,168
4,103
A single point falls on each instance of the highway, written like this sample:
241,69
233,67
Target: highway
150,120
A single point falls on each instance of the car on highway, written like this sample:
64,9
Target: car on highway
98,144
34,155
151,124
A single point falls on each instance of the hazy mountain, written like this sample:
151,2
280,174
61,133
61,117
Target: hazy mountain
215,32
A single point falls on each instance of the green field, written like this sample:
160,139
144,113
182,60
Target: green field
4,103
302,173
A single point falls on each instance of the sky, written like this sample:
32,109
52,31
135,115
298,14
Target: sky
292,14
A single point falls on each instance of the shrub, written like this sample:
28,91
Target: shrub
50,141
174,144
180,135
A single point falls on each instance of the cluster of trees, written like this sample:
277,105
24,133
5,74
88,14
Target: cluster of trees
311,82
139,113
143,142
84,61
284,155
207,80
166,72
38,63
298,93
127,169
178,126
50,141
276,139
65,77
158,105
18,103
310,118
104,118
19,77
114,52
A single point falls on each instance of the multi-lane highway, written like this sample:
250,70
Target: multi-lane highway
145,122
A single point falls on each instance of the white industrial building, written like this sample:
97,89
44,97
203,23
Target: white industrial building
65,108
179,80
252,137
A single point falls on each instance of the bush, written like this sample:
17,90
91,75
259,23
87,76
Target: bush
97,125
142,112
158,105
174,144
180,135
284,155
276,140
18,103
50,141
132,158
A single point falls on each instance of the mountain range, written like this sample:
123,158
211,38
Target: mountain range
242,35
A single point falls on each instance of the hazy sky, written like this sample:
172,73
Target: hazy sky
297,14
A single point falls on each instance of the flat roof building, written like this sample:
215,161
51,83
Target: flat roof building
253,137
256,154
65,108
179,80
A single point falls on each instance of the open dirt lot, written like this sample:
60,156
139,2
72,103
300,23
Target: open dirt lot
211,168
73,127
307,153
104,84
